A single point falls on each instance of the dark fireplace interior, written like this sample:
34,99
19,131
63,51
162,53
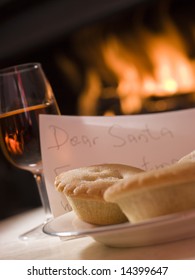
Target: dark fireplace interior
103,57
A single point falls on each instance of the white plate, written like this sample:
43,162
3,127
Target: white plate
155,231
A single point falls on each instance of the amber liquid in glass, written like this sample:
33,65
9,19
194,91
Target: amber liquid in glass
20,138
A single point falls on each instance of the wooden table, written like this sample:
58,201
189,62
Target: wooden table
52,248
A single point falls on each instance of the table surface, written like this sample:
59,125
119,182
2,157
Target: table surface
52,248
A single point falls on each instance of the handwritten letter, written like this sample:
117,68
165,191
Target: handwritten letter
147,141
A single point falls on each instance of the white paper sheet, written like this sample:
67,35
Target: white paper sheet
146,141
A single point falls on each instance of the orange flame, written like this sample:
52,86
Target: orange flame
13,145
173,72
143,64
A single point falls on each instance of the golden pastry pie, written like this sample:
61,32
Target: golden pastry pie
84,189
155,193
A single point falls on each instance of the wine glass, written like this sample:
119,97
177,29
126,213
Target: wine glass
25,93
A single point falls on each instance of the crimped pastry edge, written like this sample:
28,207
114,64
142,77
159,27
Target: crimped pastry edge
175,174
94,189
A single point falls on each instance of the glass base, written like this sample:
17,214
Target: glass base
33,234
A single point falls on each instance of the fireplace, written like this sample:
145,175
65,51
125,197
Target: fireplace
110,58
140,60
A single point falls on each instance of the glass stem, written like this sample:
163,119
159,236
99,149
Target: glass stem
43,194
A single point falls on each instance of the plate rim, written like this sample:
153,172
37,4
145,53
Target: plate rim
95,230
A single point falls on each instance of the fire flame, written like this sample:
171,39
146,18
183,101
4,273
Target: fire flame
13,145
172,73
136,64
